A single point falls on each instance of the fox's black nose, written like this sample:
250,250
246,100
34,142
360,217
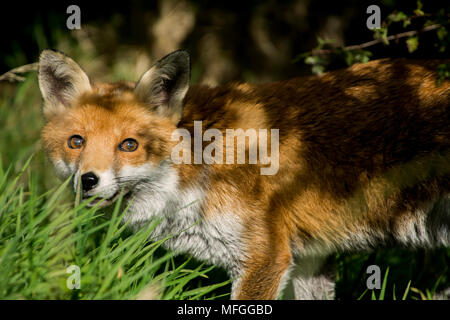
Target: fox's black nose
88,181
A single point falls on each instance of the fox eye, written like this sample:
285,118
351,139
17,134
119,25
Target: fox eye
75,142
128,145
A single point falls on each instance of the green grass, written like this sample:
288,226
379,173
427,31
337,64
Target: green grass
405,274
40,237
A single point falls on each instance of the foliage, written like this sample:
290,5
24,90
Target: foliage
40,237
425,24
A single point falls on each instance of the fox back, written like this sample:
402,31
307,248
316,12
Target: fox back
354,159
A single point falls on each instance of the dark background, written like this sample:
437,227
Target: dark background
232,40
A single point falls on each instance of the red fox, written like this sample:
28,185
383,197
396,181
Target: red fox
362,160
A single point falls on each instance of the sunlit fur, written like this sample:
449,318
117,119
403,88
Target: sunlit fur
364,162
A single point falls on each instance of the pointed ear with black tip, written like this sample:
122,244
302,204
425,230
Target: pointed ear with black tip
165,84
61,81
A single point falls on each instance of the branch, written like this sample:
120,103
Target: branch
12,76
380,40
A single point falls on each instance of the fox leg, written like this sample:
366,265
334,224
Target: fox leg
428,226
264,272
311,278
438,223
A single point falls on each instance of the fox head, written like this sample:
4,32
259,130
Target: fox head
111,137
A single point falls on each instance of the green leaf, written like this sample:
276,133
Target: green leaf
412,43
406,22
318,69
397,16
419,5
311,60
441,33
443,72
382,34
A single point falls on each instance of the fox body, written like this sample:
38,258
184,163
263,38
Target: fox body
363,162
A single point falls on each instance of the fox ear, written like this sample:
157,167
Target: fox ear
165,84
61,81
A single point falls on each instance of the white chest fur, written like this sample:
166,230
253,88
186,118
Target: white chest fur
215,240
